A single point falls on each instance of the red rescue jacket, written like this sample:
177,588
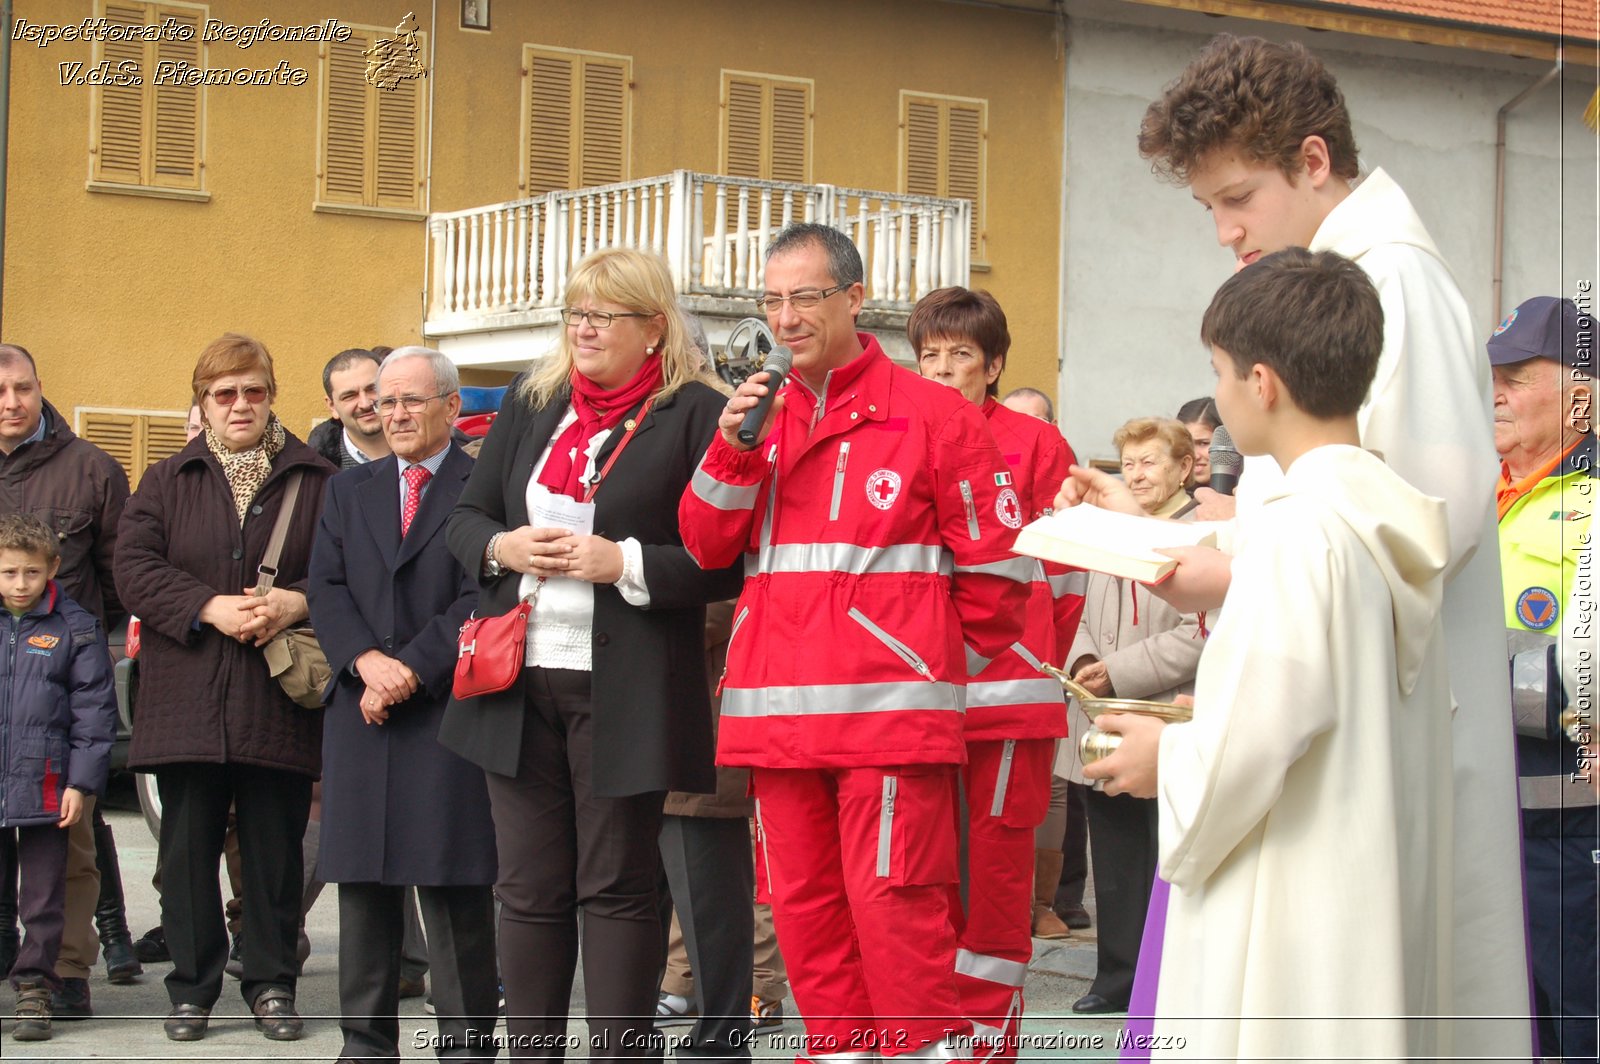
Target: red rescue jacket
876,521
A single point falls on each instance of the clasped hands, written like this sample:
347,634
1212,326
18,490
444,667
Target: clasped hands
389,681
250,618
557,552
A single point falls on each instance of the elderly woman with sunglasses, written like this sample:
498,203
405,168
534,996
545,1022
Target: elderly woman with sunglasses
214,727
574,501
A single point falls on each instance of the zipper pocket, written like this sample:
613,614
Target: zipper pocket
733,633
972,509
903,652
1003,778
891,785
838,479
761,837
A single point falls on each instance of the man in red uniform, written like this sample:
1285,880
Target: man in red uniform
1014,713
873,514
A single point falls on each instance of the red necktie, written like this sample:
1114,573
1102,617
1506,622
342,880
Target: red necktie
416,477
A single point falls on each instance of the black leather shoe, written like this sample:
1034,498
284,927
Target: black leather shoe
151,947
71,1002
1095,1003
275,1015
1077,918
187,1023
122,964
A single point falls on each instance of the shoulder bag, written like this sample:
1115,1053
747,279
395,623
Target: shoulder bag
294,657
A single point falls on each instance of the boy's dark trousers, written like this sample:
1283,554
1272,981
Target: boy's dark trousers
40,856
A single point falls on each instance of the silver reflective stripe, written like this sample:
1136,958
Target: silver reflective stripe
849,558
838,479
1556,792
761,833
713,492
1002,780
976,662
886,825
1022,570
903,652
819,699
1530,682
1026,655
1013,692
990,969
972,510
1069,584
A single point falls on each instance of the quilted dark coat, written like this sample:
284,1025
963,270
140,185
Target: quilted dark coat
204,697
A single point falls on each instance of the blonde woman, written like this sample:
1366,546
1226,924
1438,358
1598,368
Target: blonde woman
611,710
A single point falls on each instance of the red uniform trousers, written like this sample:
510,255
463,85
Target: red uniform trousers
860,864
1007,783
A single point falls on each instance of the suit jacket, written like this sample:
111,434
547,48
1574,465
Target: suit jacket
652,717
397,807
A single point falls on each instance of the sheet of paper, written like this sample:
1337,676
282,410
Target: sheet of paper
562,511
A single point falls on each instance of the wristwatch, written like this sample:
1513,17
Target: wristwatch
491,564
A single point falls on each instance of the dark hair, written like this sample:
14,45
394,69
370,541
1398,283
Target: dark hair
343,361
844,260
14,352
1313,317
961,313
1034,393
26,533
1253,96
1203,410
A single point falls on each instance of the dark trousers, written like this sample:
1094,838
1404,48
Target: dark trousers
1123,833
1074,850
1563,883
39,854
460,927
711,875
272,807
563,849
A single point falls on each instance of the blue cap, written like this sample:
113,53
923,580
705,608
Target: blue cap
1545,327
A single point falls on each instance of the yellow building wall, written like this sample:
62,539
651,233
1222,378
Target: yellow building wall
117,294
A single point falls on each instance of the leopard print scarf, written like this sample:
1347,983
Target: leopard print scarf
247,470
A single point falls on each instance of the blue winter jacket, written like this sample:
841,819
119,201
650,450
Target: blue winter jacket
58,708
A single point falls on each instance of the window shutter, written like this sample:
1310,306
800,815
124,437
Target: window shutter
943,152
119,154
118,436
550,123
344,171
922,149
605,113
964,167
743,130
163,438
791,106
398,163
177,108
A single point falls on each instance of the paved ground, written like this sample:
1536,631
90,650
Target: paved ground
127,1022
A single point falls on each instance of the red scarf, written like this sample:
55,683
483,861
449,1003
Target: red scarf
598,409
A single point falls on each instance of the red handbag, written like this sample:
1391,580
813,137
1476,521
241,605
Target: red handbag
490,651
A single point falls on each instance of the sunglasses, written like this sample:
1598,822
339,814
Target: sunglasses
255,395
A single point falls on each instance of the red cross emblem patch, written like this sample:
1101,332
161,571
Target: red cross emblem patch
883,488
1008,508
1537,608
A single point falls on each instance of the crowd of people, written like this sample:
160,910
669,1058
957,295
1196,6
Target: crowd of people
770,646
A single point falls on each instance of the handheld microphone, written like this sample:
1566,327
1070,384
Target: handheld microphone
777,363
1226,462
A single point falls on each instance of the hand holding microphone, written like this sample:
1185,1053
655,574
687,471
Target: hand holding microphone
747,418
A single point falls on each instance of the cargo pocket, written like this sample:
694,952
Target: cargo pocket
1021,794
43,774
915,844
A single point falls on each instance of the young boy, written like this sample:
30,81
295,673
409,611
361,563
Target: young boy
59,720
1260,134
1305,812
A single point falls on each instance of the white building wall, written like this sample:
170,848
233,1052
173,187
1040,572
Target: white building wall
1141,257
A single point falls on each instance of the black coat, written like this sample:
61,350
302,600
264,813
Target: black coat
652,717
397,807
202,696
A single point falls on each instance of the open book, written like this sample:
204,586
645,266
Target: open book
1109,542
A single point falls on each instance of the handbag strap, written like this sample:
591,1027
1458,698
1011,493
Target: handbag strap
633,424
267,571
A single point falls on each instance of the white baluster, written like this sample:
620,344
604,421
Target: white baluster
763,232
924,285
877,253
497,291
697,234
947,261
447,266
788,212
903,259
741,246
719,233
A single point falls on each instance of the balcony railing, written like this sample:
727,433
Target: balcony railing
507,264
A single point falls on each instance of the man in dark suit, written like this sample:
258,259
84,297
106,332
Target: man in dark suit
398,809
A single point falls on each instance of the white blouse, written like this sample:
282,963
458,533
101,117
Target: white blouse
560,629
